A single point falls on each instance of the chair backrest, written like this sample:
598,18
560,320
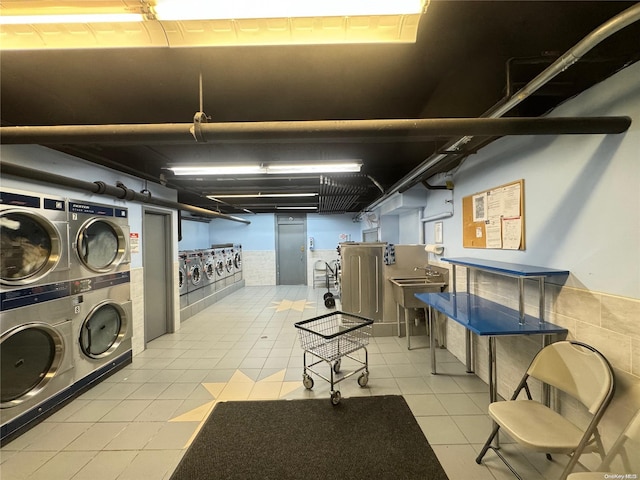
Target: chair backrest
320,265
624,455
577,369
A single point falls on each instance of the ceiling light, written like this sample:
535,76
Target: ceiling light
239,9
273,169
263,195
71,18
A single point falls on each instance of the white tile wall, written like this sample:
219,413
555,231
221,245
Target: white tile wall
137,301
259,267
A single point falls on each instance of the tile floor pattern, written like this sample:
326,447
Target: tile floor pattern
138,422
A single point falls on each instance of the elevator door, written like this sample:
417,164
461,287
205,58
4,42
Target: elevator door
291,250
158,284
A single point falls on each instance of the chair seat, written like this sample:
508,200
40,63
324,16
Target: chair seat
536,426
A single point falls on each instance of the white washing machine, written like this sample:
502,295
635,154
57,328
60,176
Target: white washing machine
209,272
195,276
36,349
34,239
99,236
102,326
219,268
182,279
237,262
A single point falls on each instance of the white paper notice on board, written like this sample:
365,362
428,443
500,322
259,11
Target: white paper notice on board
480,207
511,233
493,228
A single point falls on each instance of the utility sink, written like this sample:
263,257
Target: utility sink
405,287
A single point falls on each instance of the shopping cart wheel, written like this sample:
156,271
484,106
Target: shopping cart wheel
336,366
363,379
327,295
330,302
307,381
335,397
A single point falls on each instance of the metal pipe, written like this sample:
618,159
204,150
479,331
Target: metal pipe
598,35
295,131
119,191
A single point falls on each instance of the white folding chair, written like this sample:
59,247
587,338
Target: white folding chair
579,371
320,273
622,460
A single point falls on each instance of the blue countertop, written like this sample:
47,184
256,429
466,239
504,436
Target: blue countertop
514,269
484,317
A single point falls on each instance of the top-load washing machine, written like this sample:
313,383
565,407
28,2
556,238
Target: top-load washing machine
36,350
237,262
99,236
34,239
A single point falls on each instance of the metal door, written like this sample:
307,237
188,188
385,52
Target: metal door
291,250
158,284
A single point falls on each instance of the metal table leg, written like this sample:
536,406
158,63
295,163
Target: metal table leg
432,343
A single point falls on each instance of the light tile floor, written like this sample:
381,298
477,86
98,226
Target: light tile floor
138,422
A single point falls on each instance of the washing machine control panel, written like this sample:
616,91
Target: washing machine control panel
33,295
96,283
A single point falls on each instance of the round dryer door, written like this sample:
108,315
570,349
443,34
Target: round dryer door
30,247
31,355
103,330
101,245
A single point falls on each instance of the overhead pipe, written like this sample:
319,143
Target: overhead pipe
296,131
119,191
565,61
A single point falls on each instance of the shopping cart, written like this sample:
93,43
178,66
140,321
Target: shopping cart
329,338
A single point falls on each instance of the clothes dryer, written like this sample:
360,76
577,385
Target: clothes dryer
34,239
182,278
99,236
209,271
237,262
36,350
195,276
102,326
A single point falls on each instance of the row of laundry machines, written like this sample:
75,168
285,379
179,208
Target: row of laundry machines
66,315
203,272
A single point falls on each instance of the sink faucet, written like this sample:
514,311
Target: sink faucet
428,271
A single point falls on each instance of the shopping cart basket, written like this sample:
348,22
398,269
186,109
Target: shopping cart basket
329,338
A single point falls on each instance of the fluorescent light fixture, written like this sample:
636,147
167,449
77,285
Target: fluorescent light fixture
239,9
263,195
273,169
71,18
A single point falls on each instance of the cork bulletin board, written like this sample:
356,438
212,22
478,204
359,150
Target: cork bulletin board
495,218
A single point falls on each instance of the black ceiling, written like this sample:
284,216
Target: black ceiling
457,68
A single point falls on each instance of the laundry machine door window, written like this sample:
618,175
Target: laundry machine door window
196,276
30,357
237,261
180,278
101,245
30,247
209,270
103,330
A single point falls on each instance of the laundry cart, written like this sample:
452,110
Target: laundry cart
330,337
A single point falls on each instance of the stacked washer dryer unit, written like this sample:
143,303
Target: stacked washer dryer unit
237,262
36,340
209,272
100,289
